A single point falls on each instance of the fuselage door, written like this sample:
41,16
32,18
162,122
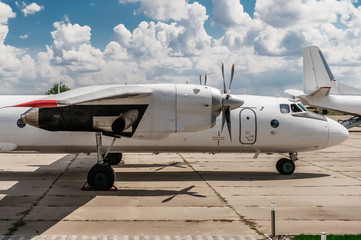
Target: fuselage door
248,126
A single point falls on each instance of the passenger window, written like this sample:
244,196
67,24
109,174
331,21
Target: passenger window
285,108
303,107
295,108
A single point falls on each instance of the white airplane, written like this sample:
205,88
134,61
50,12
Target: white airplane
321,90
161,118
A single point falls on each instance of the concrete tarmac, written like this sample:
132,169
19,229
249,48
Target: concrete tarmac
183,194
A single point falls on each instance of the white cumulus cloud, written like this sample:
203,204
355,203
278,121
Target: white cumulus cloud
5,13
31,8
162,9
25,36
174,46
229,13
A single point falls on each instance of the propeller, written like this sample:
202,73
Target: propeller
229,102
205,79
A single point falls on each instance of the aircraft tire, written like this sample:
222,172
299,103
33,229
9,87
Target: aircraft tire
285,166
101,177
279,163
114,158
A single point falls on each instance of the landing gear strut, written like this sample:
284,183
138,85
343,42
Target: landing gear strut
101,176
287,166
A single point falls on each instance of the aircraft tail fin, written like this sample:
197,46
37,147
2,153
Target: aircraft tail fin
316,73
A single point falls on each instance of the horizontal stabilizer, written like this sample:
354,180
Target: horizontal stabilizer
320,92
348,90
294,92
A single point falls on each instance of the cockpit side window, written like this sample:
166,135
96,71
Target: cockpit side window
303,107
295,108
285,108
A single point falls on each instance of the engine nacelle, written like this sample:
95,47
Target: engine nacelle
168,109
197,107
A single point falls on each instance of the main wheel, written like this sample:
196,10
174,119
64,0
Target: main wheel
113,158
278,164
285,166
101,177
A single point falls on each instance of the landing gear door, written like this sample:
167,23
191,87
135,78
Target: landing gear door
248,126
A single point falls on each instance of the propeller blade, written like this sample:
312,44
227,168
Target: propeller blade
230,82
228,119
200,79
223,119
224,82
205,80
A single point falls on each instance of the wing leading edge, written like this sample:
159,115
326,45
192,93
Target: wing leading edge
89,95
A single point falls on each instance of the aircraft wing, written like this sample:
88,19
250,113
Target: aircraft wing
90,95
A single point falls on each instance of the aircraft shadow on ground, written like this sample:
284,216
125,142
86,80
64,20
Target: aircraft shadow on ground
30,198
163,172
211,176
29,201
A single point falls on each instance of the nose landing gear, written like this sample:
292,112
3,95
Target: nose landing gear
287,166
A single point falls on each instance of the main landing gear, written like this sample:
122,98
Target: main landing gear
101,176
287,166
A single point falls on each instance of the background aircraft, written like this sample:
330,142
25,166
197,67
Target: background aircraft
161,118
321,90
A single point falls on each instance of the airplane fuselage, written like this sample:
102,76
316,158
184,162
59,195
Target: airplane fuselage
258,125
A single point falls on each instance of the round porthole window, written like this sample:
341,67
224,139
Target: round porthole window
20,123
275,123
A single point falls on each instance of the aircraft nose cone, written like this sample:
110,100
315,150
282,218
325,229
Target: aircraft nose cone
31,117
336,133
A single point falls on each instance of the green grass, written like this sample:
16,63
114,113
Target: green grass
329,237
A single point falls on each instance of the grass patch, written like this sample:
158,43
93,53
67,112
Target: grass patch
329,237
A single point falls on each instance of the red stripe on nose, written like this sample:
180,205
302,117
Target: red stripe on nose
41,104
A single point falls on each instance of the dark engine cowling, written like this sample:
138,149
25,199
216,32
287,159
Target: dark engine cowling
113,119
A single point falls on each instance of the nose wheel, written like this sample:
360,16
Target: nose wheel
287,166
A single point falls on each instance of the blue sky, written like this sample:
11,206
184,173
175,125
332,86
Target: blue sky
87,42
101,15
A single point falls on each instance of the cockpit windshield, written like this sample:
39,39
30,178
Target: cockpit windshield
303,107
294,108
